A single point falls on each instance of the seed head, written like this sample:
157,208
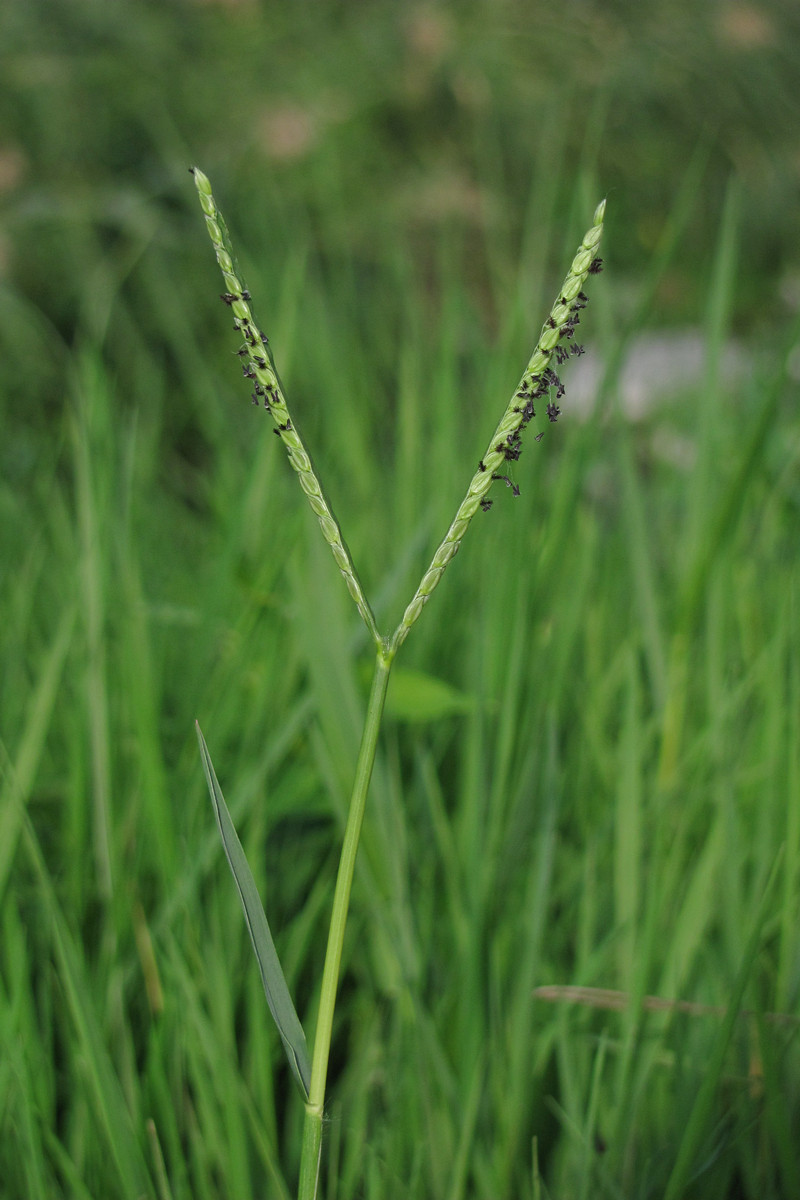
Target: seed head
538,380
259,366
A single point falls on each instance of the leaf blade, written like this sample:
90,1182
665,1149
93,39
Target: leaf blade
275,987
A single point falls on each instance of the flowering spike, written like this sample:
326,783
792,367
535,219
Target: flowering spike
258,364
504,445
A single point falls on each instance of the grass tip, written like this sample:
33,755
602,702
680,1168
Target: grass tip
201,181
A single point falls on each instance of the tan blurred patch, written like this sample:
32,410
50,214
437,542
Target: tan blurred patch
429,42
745,27
228,3
446,194
289,132
13,164
429,33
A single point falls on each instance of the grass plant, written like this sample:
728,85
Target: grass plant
523,829
539,385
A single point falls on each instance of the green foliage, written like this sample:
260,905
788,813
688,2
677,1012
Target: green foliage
605,810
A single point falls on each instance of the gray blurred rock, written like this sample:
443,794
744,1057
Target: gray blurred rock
658,367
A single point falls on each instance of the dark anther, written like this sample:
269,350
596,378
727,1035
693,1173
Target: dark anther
261,362
553,380
481,465
245,295
227,298
486,504
595,266
576,350
550,323
561,355
538,437
553,412
508,483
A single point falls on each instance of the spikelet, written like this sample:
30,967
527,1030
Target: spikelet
259,367
538,380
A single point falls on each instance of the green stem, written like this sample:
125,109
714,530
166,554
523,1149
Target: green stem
312,1129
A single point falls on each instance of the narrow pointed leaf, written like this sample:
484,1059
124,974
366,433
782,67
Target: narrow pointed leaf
278,998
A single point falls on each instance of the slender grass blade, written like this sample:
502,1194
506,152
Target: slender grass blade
277,992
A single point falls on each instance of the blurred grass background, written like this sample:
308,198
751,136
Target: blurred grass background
600,792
